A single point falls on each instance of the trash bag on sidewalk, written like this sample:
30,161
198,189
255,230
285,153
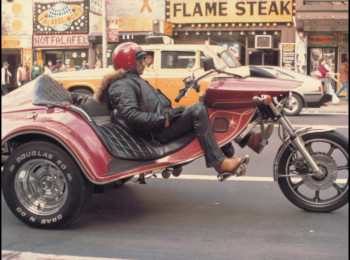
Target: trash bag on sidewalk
335,99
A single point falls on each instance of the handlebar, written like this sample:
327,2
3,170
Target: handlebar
189,84
182,93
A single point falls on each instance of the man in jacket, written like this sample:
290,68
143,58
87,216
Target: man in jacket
5,78
148,112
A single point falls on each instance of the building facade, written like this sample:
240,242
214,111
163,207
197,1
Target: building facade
16,35
253,29
290,33
324,27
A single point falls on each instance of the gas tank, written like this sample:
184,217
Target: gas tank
228,92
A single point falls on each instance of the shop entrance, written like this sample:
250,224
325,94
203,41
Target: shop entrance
263,57
13,57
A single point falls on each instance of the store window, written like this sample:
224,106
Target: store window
71,58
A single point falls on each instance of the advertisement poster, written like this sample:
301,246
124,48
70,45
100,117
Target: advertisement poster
301,52
288,56
234,47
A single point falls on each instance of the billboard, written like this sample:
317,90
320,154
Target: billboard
61,18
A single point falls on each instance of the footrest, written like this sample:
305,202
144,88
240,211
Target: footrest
239,172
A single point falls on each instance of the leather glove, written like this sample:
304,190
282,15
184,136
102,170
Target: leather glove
174,113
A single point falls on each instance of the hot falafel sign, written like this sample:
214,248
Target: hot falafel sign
61,18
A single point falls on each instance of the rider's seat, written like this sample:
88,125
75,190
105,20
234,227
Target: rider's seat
123,143
118,139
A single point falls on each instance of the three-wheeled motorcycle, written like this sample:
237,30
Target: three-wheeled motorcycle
58,148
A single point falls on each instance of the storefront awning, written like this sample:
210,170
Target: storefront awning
322,17
322,22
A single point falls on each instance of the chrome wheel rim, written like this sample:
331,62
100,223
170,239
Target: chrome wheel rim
41,187
331,184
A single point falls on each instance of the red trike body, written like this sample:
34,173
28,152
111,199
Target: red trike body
229,101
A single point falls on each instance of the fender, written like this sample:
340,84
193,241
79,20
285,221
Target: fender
300,132
86,147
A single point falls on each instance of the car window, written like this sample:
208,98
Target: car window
202,59
177,59
283,75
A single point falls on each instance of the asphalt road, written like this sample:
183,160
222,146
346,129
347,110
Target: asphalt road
189,218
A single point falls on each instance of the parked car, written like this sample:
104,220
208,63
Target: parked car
309,94
169,69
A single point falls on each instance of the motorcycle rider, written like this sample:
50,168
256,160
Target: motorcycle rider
149,113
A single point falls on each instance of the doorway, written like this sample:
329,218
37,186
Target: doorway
263,57
13,57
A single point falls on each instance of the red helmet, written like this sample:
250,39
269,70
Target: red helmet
125,54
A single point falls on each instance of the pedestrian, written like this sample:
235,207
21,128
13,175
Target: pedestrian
344,78
84,66
323,74
5,78
21,75
27,73
59,67
35,70
98,64
149,113
48,69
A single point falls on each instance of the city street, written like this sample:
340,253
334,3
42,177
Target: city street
195,216
103,88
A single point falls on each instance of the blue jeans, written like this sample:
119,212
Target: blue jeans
4,89
346,86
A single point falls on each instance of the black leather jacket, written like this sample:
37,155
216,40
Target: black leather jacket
141,107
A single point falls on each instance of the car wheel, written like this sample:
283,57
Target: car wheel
82,91
43,186
294,107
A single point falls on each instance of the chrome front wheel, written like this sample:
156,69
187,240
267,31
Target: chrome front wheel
322,192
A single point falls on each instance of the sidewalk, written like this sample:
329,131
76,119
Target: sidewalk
342,107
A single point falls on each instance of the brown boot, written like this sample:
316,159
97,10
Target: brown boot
229,165
254,141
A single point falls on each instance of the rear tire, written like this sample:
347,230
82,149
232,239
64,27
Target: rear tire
43,186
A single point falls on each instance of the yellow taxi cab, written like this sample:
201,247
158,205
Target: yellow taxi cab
171,64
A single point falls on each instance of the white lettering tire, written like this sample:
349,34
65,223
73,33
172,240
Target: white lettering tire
43,186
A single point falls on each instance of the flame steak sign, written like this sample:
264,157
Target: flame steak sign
182,11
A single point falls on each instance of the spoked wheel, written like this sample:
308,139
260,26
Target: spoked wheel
43,185
325,192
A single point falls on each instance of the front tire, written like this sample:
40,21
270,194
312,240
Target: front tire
323,193
43,186
296,105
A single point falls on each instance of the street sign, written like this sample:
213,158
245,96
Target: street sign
113,29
